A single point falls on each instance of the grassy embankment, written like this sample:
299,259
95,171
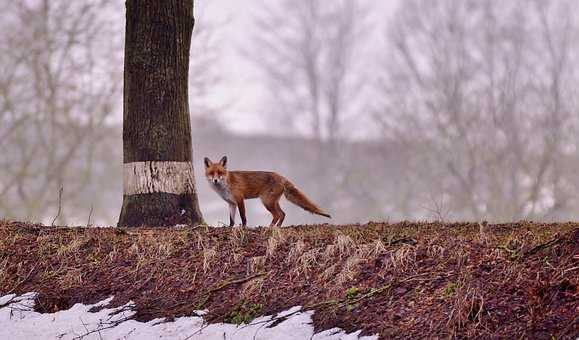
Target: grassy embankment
398,280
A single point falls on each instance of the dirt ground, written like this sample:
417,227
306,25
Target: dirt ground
404,280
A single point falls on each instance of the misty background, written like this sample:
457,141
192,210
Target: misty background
390,110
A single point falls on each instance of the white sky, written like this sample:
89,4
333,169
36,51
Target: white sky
241,85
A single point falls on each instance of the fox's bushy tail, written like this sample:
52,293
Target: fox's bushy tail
294,195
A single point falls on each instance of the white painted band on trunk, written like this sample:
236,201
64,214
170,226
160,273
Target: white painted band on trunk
158,177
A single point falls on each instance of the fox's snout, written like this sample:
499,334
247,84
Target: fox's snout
214,180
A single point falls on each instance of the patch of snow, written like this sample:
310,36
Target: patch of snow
18,320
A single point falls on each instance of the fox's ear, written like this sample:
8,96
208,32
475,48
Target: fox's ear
223,161
207,162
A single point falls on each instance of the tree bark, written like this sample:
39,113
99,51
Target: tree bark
158,184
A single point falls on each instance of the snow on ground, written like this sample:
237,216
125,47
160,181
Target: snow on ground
18,320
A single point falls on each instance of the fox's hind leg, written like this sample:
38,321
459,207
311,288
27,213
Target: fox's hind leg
280,214
271,202
270,206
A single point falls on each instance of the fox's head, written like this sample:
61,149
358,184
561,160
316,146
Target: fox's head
216,173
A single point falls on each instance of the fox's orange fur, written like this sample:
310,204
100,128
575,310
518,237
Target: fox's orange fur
236,186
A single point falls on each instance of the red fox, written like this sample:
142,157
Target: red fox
236,186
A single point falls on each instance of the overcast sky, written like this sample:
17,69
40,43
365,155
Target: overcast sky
241,86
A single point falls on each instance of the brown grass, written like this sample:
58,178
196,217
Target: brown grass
405,280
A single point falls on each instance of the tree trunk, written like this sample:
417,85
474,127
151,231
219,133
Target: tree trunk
158,180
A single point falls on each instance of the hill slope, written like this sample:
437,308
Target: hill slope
398,280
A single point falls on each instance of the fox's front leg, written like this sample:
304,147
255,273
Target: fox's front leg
232,212
241,206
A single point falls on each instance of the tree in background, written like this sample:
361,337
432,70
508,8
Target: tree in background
306,51
485,92
55,100
159,183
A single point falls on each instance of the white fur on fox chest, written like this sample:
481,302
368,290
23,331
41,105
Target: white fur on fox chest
224,192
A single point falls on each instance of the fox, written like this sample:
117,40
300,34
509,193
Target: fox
237,186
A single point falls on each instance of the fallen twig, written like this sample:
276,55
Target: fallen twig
542,246
232,282
227,284
21,282
405,240
99,329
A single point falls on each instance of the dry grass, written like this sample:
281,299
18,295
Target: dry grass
349,272
256,264
345,245
209,256
296,250
307,261
238,237
403,258
277,238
